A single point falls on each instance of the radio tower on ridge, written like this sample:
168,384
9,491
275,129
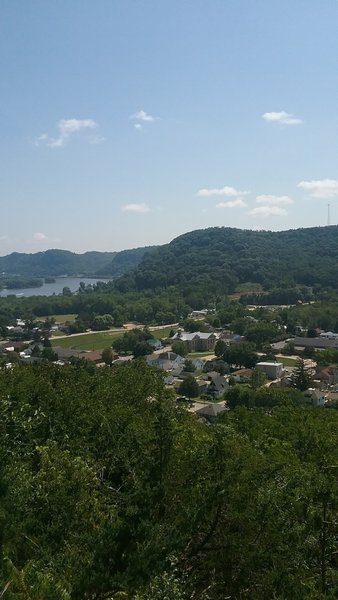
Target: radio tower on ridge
328,215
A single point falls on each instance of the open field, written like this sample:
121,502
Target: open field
90,341
287,361
161,333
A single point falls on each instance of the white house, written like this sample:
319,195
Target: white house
165,361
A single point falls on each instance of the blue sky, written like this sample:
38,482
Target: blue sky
126,123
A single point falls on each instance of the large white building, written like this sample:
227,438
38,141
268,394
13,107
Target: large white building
273,370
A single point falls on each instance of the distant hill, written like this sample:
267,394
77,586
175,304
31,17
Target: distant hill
124,261
216,260
63,262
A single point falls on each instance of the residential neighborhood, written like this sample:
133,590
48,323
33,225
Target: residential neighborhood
200,366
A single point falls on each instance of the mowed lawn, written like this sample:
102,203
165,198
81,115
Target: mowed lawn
162,333
287,361
90,341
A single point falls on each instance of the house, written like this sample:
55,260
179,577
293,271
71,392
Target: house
64,353
154,343
94,356
314,397
203,386
329,335
210,365
242,375
167,361
169,379
218,385
327,375
272,369
211,411
197,341
198,363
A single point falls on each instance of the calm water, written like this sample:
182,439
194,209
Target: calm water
51,288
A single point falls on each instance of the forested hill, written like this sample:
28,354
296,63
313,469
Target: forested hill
218,259
64,262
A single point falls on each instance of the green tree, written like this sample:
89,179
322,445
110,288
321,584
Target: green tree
107,356
257,378
188,366
142,348
189,387
179,348
301,378
220,348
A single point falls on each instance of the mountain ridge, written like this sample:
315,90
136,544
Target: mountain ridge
218,259
57,262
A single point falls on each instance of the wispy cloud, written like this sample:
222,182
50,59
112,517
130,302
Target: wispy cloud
142,117
66,128
224,191
320,188
270,199
268,211
40,237
238,203
281,117
139,208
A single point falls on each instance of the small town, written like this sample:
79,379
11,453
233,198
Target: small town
169,300
199,366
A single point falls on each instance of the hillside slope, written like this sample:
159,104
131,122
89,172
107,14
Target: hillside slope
63,262
218,259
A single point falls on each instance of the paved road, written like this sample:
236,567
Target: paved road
127,327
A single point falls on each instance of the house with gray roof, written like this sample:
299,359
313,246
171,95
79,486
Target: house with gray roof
167,361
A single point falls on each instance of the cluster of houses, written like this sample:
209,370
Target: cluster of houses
212,381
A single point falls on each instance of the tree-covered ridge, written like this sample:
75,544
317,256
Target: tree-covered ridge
218,259
110,491
64,262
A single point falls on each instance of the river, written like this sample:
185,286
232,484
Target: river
48,289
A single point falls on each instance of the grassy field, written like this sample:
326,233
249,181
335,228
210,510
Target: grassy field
90,341
287,361
161,333
200,354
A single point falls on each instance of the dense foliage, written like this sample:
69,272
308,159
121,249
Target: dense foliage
215,260
64,262
110,491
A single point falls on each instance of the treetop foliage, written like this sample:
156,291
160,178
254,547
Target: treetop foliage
109,490
218,259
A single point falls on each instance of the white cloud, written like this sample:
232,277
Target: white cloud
281,117
238,203
268,211
320,188
98,139
139,208
224,191
269,199
66,128
138,126
144,117
39,237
